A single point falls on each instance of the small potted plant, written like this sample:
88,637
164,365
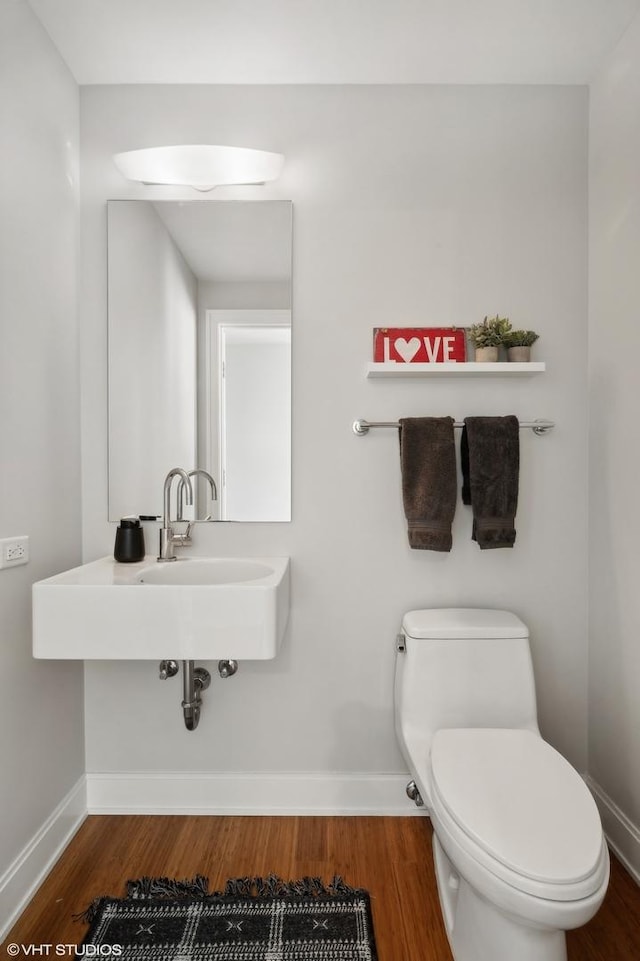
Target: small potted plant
518,344
488,336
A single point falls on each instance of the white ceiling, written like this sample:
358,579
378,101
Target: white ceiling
335,41
231,241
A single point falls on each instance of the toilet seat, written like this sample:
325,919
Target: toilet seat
519,809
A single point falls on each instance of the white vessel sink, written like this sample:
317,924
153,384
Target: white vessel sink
200,608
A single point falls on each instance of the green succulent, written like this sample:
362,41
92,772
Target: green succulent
520,338
491,332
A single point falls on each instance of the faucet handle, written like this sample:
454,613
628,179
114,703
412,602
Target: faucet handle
180,540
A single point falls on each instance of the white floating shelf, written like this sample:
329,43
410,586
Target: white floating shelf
467,369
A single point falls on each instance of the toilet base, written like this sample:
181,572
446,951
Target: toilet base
478,931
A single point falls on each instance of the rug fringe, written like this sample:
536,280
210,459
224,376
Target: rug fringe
274,886
90,913
257,887
147,887
270,886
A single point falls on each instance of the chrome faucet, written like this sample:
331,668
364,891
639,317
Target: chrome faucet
181,486
168,538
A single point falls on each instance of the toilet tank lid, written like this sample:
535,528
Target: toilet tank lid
462,622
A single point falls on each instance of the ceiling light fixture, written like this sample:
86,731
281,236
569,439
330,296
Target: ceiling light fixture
201,166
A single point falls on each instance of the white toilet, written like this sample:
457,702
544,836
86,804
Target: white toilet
519,851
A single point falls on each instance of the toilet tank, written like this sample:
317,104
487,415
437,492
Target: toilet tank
461,667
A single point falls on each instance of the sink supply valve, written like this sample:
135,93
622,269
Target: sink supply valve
227,668
414,794
168,669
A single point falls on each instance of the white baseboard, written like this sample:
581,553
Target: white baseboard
622,834
23,877
257,793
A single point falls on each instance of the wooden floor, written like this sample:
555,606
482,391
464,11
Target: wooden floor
390,857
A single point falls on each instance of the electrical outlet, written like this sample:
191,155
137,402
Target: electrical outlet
14,551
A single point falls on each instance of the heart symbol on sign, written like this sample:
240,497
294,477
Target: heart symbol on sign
407,348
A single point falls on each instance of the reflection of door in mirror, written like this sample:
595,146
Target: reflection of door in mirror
249,411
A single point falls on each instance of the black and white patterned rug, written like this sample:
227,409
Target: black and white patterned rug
253,919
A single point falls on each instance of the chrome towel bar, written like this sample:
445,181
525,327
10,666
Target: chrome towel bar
362,427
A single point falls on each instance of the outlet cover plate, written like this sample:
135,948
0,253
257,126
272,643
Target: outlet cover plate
14,551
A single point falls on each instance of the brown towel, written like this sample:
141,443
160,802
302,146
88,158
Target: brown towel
490,461
428,463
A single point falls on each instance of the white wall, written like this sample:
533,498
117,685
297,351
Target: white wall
412,206
614,523
153,308
41,703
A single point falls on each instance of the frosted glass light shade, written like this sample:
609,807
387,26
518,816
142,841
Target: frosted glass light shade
202,166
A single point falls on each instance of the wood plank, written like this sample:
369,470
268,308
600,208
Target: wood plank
390,857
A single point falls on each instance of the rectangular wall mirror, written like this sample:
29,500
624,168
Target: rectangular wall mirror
199,334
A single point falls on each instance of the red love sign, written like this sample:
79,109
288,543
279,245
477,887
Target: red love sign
419,345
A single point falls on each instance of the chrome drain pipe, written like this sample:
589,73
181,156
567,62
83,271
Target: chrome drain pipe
195,680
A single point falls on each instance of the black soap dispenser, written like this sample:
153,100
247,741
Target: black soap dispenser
129,545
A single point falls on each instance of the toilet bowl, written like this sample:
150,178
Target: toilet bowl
519,851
